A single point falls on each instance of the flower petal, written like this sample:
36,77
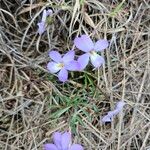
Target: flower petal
65,140
54,55
106,119
96,60
73,66
50,147
41,28
63,75
101,45
44,15
69,56
76,147
84,43
49,12
57,139
83,60
53,67
118,108
111,114
120,105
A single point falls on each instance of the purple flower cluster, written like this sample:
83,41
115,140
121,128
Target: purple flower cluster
111,114
62,141
67,63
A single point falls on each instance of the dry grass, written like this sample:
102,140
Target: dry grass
33,104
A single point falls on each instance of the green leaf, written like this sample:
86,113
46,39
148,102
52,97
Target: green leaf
117,9
81,2
58,113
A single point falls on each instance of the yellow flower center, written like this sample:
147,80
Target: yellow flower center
92,52
60,65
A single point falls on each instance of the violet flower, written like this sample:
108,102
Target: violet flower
42,24
85,44
111,114
62,141
62,64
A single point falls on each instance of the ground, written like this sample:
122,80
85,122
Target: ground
34,104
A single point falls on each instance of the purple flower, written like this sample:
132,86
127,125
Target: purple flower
62,64
42,24
62,141
85,44
111,114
